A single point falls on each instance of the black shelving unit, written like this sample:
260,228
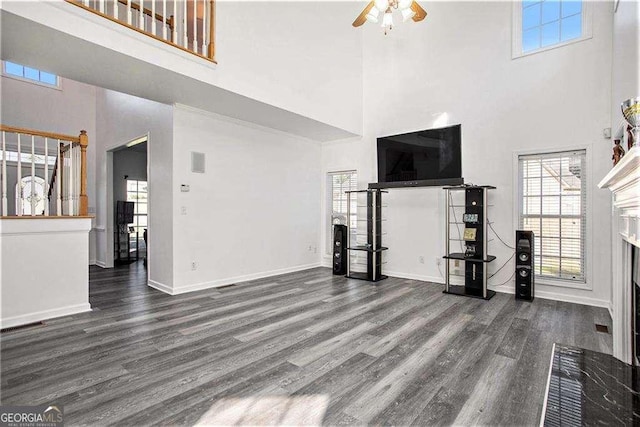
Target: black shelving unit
475,223
373,248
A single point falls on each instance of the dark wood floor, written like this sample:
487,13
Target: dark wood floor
302,348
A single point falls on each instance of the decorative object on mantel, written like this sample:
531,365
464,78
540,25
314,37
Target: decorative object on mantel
410,9
631,112
618,152
630,140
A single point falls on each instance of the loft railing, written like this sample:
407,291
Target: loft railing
186,24
43,173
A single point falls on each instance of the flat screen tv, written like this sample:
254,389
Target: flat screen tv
423,158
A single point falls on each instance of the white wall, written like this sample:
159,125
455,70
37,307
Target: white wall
120,119
253,213
67,110
44,269
458,62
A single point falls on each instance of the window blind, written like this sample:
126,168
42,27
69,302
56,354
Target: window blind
553,206
339,182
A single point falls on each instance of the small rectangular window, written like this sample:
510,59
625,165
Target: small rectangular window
338,183
29,74
553,206
541,25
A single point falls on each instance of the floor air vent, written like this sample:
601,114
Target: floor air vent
602,328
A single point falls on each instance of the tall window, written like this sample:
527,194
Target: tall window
137,193
338,183
31,74
553,206
539,25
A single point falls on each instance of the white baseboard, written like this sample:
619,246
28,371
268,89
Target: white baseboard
25,319
161,287
93,262
234,280
610,308
101,264
577,299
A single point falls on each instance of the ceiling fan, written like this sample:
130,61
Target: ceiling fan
410,9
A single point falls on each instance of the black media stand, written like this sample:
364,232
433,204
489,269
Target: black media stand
469,218
373,247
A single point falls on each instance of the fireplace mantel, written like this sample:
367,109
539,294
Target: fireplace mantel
624,182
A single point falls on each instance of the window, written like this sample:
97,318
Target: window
30,74
541,25
553,205
137,193
30,190
338,183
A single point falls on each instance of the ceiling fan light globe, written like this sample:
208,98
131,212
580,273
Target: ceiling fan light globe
404,4
387,20
407,14
381,5
372,16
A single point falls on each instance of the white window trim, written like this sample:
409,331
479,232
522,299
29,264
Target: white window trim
57,86
329,206
588,272
516,35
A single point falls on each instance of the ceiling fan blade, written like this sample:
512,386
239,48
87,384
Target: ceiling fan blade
420,12
362,18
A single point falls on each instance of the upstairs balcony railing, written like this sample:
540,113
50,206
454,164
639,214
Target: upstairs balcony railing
185,24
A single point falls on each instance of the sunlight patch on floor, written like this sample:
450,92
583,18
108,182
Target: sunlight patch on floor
267,410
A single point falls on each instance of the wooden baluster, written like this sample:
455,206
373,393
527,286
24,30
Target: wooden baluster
115,10
204,26
19,186
129,15
164,19
185,39
58,182
46,176
101,6
4,175
84,200
212,35
33,175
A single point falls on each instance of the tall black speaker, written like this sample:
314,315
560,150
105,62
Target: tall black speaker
525,277
340,249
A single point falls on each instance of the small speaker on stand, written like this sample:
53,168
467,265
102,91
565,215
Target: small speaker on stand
525,277
340,249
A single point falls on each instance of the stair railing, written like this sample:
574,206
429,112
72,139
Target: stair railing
56,180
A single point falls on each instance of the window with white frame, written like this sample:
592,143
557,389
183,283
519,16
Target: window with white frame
552,204
29,74
338,183
137,193
544,24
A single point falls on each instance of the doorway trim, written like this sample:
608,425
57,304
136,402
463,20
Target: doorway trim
109,258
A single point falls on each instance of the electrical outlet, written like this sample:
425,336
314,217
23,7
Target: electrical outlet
194,265
183,210
421,259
